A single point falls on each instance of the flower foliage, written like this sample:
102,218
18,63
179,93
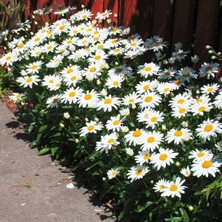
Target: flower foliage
145,128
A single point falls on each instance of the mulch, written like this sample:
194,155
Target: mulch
7,102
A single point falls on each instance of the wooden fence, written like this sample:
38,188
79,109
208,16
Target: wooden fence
194,23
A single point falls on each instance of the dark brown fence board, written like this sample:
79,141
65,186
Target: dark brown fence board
183,27
206,29
162,20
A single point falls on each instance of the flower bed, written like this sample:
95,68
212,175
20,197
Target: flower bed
142,127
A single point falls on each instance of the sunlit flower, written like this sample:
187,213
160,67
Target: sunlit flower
91,127
28,81
71,95
114,81
218,100
135,136
146,86
114,123
167,74
142,157
185,171
130,99
137,172
34,67
210,88
15,97
88,99
148,69
107,142
199,155
206,167
209,128
163,158
173,189
52,102
149,100
108,103
112,173
160,185
178,136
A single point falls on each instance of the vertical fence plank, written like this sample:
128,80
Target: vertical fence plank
207,27
183,26
162,19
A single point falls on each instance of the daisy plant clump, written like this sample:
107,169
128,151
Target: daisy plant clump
144,129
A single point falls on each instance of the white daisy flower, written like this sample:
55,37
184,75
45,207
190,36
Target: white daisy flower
36,51
180,99
151,140
201,108
208,69
104,15
131,99
199,155
178,136
92,71
114,123
91,127
163,158
209,128
71,95
135,137
50,80
185,171
112,173
52,102
186,74
149,100
218,101
88,99
206,167
166,88
16,97
146,86
122,70
137,172
114,81
167,74
49,47
142,157
160,185
173,189
210,89
34,67
28,81
108,103
218,145
107,142
148,69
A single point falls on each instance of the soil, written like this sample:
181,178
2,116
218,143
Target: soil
5,99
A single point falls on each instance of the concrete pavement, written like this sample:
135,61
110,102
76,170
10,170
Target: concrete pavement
34,188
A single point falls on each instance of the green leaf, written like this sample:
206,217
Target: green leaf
42,128
141,208
54,150
184,215
44,151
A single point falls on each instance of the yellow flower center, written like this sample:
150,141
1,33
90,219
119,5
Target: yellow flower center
161,186
148,99
148,68
133,44
69,41
200,154
28,80
166,90
116,83
118,70
137,133
151,139
96,39
153,119
91,128
100,46
178,133
62,27
146,87
131,100
8,58
20,45
73,78
55,100
208,128
167,73
163,156
138,172
88,97
34,67
207,164
180,101
114,41
210,89
98,57
116,50
70,70
92,69
72,94
51,81
108,101
173,187
49,47
111,140
37,39
116,122
202,108
115,29
182,110
146,157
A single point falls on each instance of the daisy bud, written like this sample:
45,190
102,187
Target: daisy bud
98,82
190,208
177,164
77,140
163,127
219,53
82,6
185,172
208,47
213,57
66,115
115,15
184,124
61,125
108,21
152,182
35,22
103,92
33,16
125,129
133,106
104,179
116,63
124,112
129,151
96,119
172,60
210,51
86,119
165,61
